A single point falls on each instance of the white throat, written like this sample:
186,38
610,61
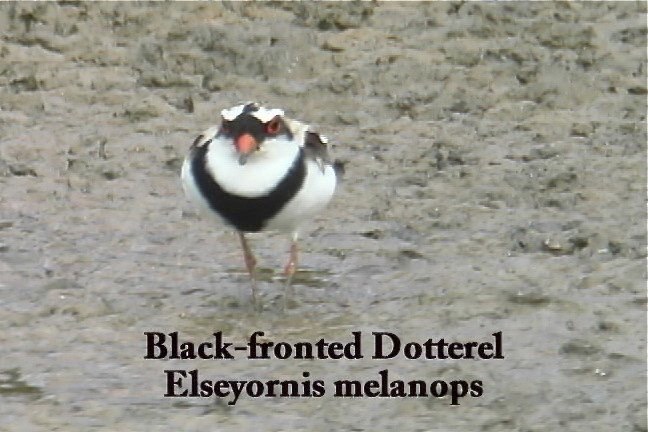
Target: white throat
264,168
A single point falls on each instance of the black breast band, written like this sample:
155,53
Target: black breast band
247,214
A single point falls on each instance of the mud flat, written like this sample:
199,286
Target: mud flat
496,181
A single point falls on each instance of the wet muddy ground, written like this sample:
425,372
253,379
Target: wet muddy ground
495,181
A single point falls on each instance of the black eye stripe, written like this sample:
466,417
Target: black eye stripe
225,128
246,123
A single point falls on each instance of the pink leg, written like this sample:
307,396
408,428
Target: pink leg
250,262
290,270
291,266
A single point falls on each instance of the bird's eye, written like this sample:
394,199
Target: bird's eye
273,126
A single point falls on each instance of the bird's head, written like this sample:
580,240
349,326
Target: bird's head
250,126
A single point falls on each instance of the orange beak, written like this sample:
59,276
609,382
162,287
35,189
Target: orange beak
245,144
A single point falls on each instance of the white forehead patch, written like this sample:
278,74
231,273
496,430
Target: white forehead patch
254,109
324,139
230,114
265,115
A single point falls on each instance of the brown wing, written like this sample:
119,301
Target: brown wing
205,137
315,148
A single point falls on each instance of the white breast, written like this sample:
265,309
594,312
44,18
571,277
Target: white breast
260,175
263,170
317,190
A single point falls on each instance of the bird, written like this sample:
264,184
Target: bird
260,171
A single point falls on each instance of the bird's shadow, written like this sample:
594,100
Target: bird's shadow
312,278
279,290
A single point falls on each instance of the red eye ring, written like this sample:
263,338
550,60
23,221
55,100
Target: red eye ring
273,126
